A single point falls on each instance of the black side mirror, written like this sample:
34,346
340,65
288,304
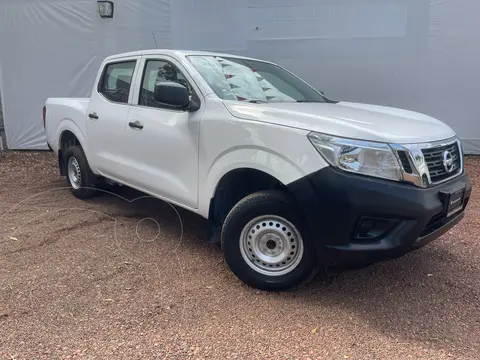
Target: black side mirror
172,94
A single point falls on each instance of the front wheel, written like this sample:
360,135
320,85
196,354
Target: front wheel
266,243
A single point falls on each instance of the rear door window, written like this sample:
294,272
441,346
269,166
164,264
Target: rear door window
117,80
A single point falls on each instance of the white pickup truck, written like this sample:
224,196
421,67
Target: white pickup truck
290,181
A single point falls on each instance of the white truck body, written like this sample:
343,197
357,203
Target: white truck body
181,156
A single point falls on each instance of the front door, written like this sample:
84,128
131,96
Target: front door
162,142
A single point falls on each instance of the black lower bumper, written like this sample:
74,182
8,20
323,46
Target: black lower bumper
358,220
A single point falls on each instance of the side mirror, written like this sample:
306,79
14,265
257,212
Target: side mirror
172,94
321,92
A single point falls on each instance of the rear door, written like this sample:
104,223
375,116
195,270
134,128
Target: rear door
163,142
107,115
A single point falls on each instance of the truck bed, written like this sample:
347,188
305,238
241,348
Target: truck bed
61,111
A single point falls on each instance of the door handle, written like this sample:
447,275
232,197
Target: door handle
93,115
136,125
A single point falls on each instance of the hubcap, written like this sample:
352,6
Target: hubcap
271,245
74,174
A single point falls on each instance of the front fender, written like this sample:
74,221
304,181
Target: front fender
256,158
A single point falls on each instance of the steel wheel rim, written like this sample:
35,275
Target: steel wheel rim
74,173
271,245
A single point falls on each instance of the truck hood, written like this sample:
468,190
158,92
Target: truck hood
346,119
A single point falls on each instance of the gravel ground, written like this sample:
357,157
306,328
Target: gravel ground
112,278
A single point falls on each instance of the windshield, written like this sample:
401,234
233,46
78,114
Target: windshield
253,81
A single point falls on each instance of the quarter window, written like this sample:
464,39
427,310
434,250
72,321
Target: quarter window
159,71
117,81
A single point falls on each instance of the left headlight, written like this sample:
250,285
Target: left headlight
357,156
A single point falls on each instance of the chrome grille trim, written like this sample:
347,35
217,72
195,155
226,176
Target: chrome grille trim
435,162
424,166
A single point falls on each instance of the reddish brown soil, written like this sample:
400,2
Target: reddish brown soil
113,279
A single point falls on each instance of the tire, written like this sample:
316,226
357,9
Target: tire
83,186
266,243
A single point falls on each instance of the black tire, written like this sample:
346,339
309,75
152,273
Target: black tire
262,203
88,180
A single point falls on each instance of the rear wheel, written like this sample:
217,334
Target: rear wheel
80,178
266,243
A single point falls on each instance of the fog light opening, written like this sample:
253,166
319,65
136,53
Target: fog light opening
370,228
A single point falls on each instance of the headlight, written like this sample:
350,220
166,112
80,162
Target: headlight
361,157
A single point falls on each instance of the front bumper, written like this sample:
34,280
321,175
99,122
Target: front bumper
338,204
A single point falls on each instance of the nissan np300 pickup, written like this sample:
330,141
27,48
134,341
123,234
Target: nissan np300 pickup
290,181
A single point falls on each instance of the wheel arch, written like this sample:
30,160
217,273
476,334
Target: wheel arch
69,125
68,135
236,184
253,160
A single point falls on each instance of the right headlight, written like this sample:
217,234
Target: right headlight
358,156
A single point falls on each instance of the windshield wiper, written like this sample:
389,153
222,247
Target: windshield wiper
257,101
315,101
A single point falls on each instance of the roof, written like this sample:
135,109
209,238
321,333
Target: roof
177,53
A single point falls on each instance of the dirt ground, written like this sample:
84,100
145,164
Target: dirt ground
123,277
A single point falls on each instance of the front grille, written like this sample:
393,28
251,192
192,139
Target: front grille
434,160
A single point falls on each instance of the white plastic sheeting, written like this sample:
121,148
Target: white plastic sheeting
418,55
53,48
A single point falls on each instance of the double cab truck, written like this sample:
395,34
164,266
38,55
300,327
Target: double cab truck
291,182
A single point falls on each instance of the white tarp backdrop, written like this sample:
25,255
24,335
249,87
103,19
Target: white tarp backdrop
418,55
